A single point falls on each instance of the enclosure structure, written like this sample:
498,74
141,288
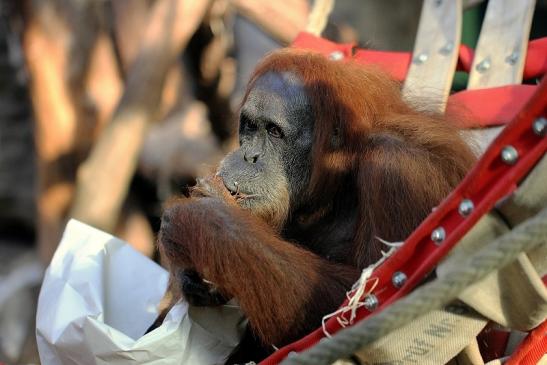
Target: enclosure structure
486,242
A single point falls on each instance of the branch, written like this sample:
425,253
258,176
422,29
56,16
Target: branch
103,180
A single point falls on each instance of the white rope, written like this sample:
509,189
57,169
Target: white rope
359,291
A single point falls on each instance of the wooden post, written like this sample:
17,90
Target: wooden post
501,52
501,49
435,52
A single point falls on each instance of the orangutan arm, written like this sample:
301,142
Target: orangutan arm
284,290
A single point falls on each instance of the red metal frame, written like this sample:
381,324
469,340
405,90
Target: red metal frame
488,182
397,63
486,107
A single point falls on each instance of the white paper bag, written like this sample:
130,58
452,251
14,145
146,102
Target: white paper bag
98,298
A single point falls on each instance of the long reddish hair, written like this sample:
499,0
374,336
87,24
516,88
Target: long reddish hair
359,119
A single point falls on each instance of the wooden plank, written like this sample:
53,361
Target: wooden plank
502,45
435,52
500,53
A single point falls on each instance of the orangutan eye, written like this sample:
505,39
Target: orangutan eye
274,130
246,124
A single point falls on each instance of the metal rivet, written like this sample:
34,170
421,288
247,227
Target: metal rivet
398,279
438,235
512,58
484,65
466,207
371,302
438,2
447,49
539,126
336,56
509,155
420,58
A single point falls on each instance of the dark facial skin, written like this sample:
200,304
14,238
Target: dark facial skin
271,168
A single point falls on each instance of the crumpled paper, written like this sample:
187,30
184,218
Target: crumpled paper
98,298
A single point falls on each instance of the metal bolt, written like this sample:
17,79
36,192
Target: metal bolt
420,58
336,56
447,49
539,126
371,302
509,155
512,58
438,235
398,279
466,207
484,65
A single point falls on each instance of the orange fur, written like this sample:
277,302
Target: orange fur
404,161
371,152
